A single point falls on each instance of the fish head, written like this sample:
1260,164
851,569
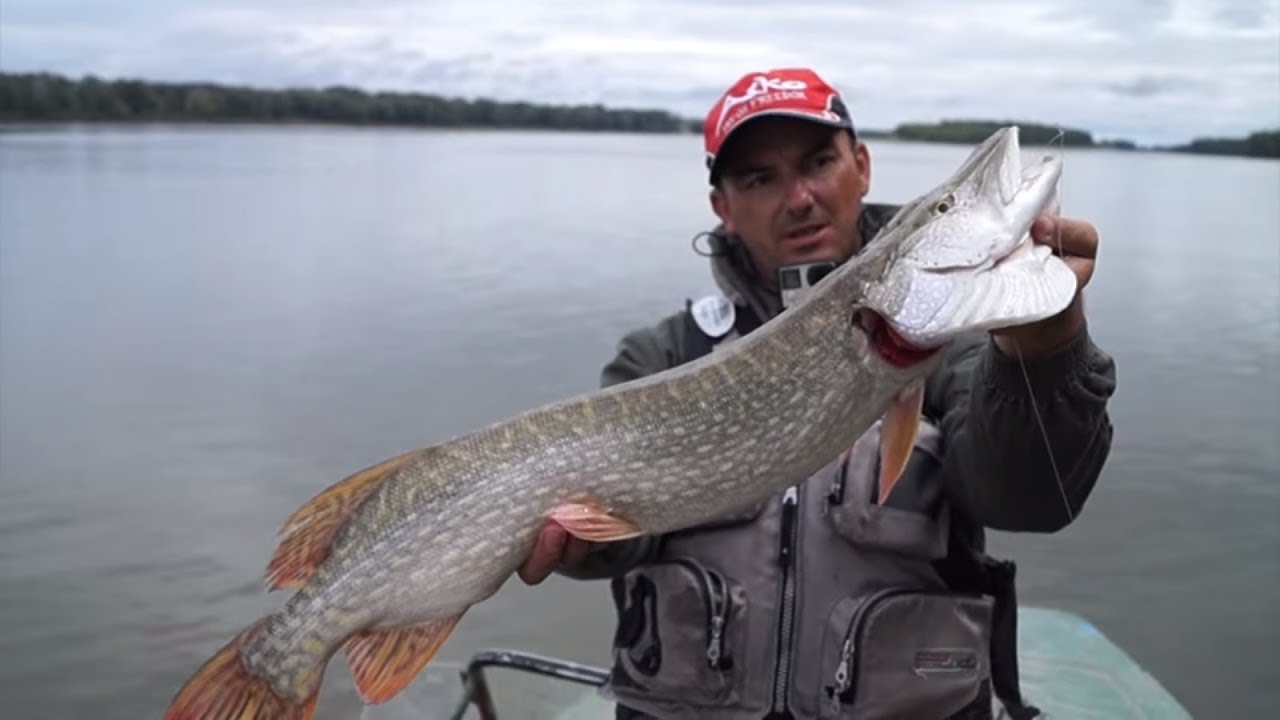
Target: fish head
960,259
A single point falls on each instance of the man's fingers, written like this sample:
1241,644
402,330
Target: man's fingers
1066,236
1082,267
545,555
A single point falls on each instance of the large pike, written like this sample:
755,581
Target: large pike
386,561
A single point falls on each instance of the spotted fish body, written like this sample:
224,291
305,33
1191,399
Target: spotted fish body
387,561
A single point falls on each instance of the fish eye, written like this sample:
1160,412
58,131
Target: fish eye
945,204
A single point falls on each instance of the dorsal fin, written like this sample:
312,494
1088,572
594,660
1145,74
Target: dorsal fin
306,535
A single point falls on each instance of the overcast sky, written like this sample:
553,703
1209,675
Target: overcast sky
1149,70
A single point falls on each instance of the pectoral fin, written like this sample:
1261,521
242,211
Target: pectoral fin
898,436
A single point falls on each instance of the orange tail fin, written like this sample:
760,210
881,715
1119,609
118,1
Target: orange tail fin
223,689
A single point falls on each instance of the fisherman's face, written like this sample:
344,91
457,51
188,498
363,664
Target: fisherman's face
792,190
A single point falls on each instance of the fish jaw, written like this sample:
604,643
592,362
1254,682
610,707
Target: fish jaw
964,260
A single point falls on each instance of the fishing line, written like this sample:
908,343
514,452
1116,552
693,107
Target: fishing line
1044,433
1026,377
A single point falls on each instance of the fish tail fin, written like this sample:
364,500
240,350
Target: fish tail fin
224,689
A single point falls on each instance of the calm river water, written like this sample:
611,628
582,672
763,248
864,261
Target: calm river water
200,327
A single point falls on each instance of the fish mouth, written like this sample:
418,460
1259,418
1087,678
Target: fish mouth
888,344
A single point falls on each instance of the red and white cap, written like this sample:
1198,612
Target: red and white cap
797,92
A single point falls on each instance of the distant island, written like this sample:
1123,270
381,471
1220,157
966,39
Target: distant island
48,97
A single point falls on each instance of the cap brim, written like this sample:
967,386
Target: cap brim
820,118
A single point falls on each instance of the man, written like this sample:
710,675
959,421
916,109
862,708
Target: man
806,606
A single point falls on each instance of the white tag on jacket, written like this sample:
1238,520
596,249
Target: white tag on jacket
714,315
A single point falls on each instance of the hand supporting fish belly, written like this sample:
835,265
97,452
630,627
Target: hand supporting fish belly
386,562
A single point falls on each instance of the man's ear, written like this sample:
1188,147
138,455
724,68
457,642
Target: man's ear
720,205
862,158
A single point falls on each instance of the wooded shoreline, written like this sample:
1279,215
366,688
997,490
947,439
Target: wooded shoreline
49,98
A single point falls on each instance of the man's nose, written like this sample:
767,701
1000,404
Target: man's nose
799,196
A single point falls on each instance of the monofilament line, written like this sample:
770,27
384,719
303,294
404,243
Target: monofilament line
1044,433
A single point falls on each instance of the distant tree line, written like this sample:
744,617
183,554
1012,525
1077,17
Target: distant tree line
1265,143
49,97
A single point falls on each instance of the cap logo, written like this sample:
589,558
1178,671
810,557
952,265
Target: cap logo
763,89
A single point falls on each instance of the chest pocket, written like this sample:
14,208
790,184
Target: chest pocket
915,519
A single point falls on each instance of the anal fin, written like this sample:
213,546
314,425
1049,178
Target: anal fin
384,662
307,534
898,436
587,520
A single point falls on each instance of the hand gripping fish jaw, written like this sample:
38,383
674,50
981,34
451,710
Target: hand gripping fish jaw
958,260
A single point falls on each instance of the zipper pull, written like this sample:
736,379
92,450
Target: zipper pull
842,674
835,494
789,502
842,670
714,645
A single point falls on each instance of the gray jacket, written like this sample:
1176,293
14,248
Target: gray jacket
822,603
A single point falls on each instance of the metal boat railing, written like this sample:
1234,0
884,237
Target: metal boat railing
476,686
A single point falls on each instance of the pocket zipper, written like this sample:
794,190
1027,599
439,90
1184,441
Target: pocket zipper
847,667
717,607
835,493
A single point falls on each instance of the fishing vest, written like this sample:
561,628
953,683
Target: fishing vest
819,603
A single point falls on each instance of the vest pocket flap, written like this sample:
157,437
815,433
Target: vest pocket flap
681,627
902,653
893,529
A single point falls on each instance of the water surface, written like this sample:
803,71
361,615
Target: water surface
200,327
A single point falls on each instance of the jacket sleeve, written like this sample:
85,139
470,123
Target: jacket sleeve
641,352
1013,429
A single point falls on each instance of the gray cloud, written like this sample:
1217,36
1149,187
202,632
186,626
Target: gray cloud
1244,15
1149,70
1150,85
